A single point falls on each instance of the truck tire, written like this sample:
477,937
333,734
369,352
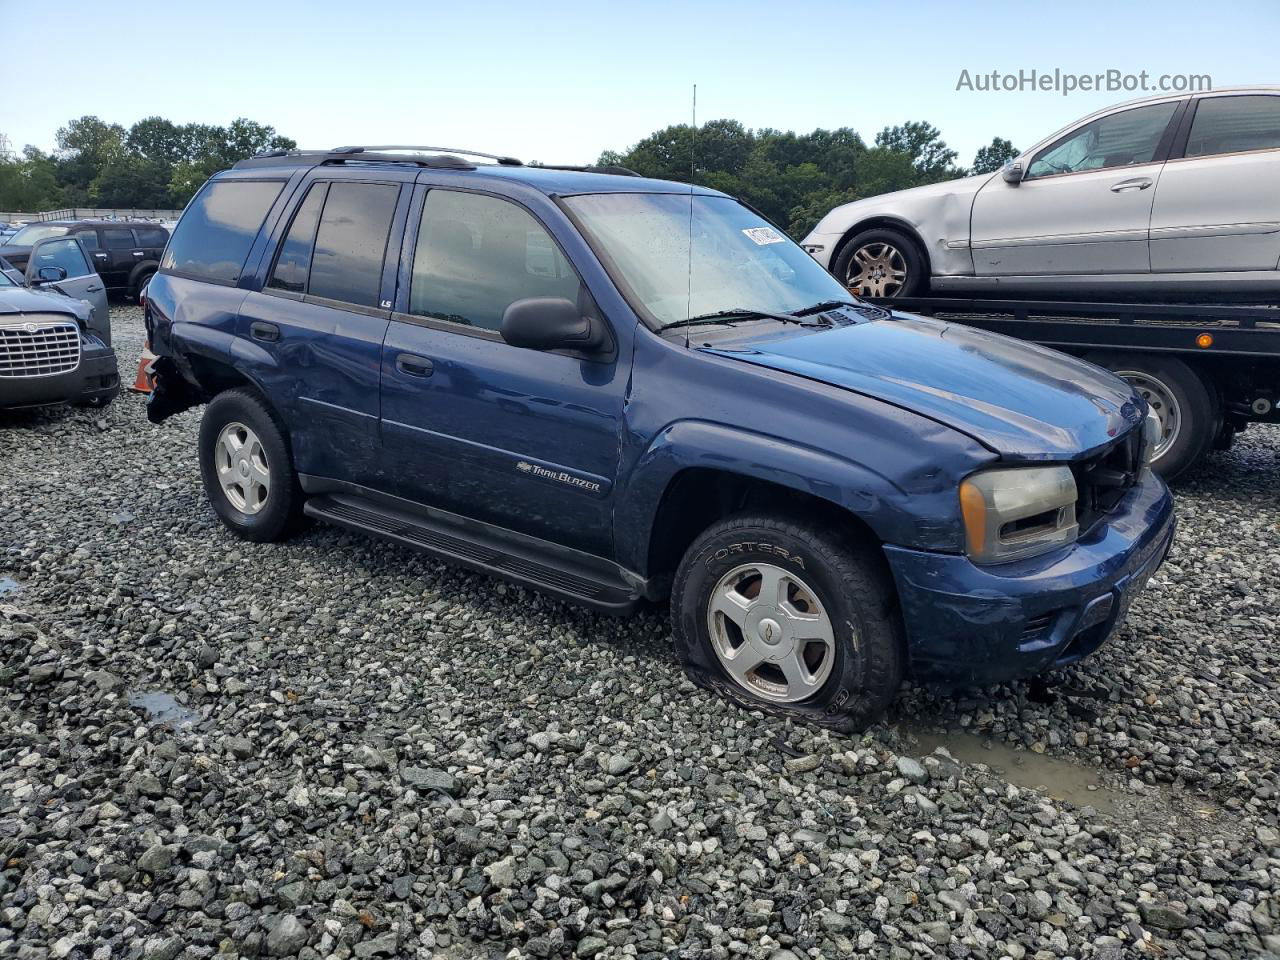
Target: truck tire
247,468
1189,411
882,262
780,615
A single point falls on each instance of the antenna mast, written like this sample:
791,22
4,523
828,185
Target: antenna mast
693,169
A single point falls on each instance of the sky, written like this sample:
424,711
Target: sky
559,81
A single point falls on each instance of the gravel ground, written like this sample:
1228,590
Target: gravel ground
335,747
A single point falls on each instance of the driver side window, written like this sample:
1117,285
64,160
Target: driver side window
65,253
1117,140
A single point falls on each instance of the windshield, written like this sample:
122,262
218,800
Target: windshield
738,261
31,235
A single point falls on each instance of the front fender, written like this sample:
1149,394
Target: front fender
920,510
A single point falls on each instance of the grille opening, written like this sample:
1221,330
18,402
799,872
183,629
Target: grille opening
38,348
1103,480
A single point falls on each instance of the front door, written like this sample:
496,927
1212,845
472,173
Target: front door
1218,204
313,336
523,439
1084,206
66,256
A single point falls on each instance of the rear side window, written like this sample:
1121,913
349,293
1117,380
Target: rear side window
294,262
351,242
151,236
215,233
477,255
1234,125
89,238
117,239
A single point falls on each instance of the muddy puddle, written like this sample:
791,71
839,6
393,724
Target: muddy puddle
9,586
163,708
1056,778
1077,783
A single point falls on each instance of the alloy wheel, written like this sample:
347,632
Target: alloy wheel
877,269
243,471
771,632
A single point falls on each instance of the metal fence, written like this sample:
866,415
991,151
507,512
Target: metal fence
91,213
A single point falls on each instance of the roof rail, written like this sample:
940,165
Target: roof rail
505,161
610,168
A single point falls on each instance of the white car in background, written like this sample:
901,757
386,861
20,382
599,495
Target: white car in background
1169,196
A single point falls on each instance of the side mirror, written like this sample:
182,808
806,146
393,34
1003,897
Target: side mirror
1013,172
51,274
551,323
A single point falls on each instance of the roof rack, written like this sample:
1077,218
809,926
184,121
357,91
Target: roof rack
505,161
609,168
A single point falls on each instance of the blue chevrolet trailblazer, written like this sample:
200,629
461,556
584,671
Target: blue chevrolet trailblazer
621,390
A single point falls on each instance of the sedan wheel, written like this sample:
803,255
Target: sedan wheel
877,269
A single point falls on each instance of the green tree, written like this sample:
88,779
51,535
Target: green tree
29,182
923,143
994,155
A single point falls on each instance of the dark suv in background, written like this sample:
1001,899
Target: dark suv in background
124,252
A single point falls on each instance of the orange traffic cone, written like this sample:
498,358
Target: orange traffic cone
145,380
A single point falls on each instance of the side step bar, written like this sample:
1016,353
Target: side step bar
478,548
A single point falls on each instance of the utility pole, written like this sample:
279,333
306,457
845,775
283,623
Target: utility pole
5,151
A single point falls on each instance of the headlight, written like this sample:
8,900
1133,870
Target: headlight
1018,512
1152,432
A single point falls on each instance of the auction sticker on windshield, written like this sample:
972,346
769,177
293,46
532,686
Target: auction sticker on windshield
763,235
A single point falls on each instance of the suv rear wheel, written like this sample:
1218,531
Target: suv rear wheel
247,468
781,616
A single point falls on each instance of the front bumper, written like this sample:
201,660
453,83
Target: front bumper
971,626
95,380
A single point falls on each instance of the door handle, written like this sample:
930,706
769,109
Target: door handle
1137,183
101,256
414,366
139,253
92,289
261,330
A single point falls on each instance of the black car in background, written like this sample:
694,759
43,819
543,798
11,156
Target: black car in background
124,252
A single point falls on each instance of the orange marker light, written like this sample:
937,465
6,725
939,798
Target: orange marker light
1204,341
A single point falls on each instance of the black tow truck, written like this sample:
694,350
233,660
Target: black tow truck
1208,370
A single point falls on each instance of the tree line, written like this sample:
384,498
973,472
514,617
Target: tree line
793,178
155,164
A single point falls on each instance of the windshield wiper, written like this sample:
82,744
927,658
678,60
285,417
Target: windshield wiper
741,313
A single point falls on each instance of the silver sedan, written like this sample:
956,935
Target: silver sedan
1163,197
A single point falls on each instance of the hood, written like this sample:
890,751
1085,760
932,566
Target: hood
1022,401
20,300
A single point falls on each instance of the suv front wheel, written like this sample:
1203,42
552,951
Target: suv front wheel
781,616
247,468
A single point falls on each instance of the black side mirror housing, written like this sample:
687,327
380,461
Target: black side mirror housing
51,274
1013,172
553,323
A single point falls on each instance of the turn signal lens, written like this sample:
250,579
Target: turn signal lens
1204,341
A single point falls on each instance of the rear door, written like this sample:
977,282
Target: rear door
80,280
1218,204
1084,206
121,251
313,335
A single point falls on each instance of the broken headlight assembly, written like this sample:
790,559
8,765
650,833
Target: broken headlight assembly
1018,512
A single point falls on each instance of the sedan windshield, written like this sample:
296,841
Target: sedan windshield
29,236
684,256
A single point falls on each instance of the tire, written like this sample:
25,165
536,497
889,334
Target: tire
1174,391
887,248
261,500
852,589
135,291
